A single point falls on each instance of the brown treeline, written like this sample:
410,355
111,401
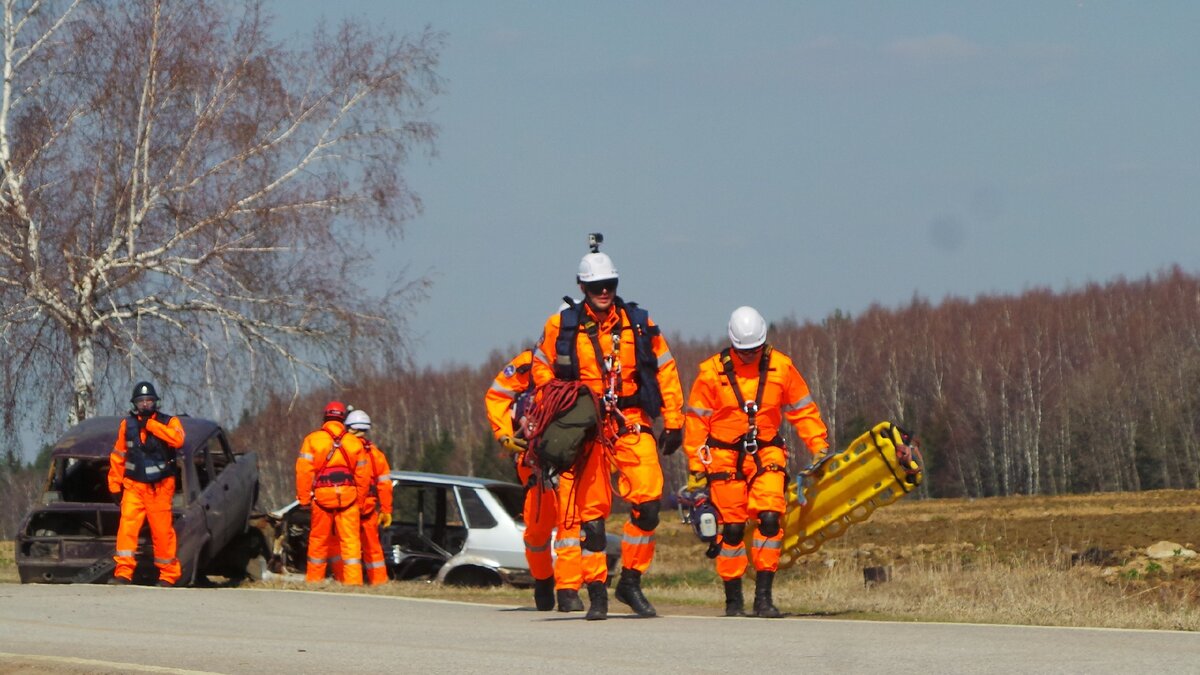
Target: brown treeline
1090,389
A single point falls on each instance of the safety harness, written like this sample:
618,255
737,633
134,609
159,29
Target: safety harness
749,442
566,364
334,476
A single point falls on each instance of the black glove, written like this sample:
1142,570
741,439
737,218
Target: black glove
116,497
670,440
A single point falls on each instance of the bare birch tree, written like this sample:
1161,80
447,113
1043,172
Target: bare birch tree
187,199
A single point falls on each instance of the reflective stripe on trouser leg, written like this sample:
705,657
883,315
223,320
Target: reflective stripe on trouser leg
765,551
568,572
319,535
731,561
374,567
541,512
637,548
347,523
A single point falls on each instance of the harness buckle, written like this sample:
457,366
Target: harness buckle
750,408
750,445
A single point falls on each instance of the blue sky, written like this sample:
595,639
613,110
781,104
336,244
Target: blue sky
800,157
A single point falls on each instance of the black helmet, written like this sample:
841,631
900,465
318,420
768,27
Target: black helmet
143,390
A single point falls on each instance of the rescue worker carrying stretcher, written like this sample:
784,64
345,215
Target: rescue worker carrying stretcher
141,478
333,477
377,510
556,574
731,438
614,349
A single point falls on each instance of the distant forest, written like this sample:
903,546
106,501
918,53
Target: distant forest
1091,389
1086,390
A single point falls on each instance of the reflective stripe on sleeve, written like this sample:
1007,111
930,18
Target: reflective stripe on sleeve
503,390
698,412
807,400
665,358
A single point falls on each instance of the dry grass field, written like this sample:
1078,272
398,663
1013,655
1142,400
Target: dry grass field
1077,560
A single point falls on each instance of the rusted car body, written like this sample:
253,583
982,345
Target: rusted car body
71,536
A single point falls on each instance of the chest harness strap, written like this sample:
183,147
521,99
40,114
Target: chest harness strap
748,443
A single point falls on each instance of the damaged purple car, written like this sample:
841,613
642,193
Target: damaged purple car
71,536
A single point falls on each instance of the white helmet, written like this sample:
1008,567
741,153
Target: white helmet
358,420
747,329
596,267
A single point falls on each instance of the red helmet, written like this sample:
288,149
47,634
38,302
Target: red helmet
335,410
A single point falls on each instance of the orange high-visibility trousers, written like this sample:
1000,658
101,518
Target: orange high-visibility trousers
374,567
738,501
346,521
147,502
541,514
544,509
635,458
568,574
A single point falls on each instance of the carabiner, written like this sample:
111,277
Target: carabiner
705,455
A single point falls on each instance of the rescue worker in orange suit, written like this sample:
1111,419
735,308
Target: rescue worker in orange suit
610,338
556,576
333,478
141,478
377,511
734,411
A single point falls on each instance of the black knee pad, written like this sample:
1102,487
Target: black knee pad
768,523
733,533
594,538
645,515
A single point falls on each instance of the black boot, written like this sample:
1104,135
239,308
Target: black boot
629,591
597,601
735,604
543,594
568,600
763,605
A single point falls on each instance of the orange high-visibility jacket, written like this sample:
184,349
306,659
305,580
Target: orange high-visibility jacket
382,499
713,408
171,433
317,447
591,369
509,383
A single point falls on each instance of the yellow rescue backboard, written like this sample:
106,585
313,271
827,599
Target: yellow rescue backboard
845,487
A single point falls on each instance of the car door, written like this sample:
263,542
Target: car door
224,492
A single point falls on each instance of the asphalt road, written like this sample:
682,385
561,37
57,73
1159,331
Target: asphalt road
91,629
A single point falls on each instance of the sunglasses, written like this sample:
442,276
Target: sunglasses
598,287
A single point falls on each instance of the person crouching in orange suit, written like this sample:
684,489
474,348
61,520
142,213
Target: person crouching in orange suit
141,478
333,477
545,505
731,436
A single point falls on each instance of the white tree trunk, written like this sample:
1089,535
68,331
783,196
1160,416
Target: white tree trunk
84,380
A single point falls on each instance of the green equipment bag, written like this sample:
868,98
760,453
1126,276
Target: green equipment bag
565,419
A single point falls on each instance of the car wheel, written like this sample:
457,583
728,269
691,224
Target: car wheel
467,575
